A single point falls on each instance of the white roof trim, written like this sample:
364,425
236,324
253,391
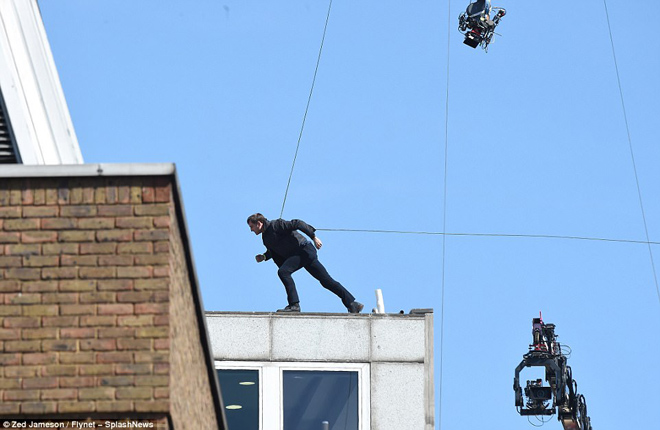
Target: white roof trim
31,87
80,170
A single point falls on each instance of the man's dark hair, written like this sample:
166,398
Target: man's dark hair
255,218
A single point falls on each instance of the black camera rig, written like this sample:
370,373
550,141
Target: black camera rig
476,24
560,395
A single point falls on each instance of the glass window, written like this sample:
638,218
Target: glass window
320,400
240,394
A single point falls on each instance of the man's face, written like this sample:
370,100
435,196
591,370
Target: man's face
256,227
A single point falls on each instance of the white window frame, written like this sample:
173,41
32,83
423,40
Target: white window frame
271,387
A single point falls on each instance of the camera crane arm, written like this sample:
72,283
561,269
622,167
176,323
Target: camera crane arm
560,396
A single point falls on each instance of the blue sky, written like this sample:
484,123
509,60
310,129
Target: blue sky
537,145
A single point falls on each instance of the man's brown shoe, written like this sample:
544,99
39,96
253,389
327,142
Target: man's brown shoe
355,307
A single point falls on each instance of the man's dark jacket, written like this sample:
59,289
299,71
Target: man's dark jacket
283,241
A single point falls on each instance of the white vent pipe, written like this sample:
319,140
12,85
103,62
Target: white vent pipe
380,305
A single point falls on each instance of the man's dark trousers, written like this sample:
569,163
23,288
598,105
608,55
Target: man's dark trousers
307,258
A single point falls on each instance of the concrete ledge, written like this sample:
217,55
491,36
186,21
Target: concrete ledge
320,339
240,338
317,314
82,170
271,336
394,339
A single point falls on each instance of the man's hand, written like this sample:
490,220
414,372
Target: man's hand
260,258
317,242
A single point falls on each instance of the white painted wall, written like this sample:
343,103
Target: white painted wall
396,349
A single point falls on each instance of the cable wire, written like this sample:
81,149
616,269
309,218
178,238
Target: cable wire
309,99
541,420
509,235
444,221
632,153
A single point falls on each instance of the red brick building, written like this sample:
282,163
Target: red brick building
100,311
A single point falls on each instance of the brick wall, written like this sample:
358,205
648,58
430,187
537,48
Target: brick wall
189,382
89,285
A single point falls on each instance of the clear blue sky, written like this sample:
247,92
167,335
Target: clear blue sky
537,144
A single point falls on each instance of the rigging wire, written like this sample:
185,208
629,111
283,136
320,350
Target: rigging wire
566,350
541,420
509,235
632,153
444,221
309,99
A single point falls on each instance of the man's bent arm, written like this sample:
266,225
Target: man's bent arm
295,224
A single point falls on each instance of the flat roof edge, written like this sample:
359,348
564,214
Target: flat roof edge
312,314
87,170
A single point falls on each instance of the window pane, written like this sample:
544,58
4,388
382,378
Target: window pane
240,394
314,397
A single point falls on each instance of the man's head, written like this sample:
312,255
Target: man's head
256,223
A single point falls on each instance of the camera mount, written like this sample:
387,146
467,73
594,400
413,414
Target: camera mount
560,395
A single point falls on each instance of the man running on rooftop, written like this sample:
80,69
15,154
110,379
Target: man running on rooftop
291,252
